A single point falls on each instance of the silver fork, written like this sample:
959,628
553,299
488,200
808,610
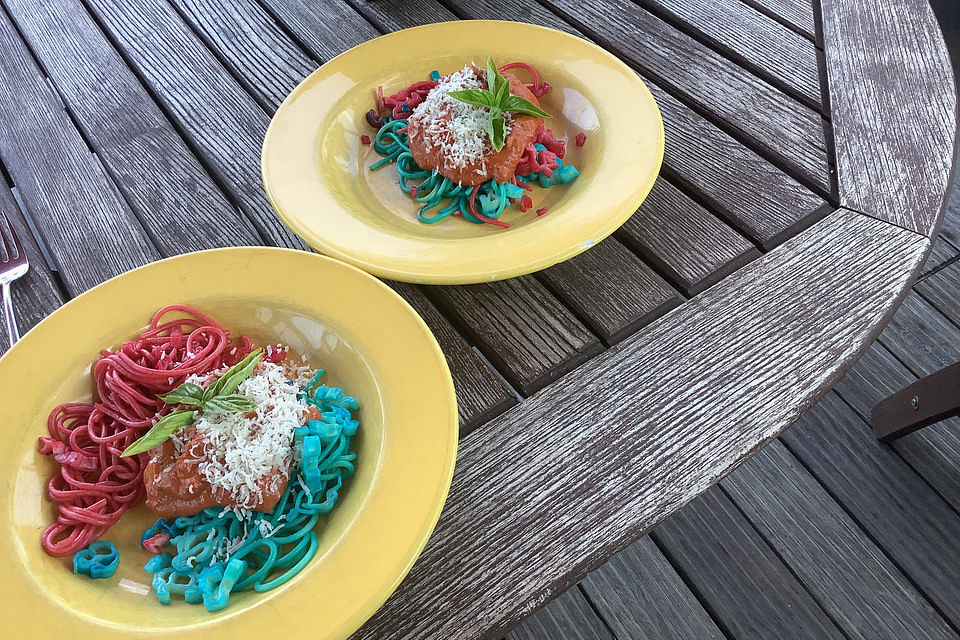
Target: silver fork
13,265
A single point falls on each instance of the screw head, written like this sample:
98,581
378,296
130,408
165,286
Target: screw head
915,402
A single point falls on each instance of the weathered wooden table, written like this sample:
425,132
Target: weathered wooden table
808,152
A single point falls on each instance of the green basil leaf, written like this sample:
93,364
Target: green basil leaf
522,105
476,97
229,404
503,93
498,79
236,374
158,433
498,130
187,393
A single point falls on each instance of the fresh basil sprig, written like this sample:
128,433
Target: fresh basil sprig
496,97
217,398
166,427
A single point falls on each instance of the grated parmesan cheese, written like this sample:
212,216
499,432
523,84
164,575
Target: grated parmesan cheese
241,451
458,129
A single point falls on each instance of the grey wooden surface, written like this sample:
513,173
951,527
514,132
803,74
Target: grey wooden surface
671,409
885,167
599,396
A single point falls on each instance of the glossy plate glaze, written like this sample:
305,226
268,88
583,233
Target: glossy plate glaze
316,174
369,341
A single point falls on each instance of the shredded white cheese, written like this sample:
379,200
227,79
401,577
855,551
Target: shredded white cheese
241,451
457,129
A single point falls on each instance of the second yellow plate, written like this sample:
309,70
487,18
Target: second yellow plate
315,169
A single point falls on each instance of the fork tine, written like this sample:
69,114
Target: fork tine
13,235
6,254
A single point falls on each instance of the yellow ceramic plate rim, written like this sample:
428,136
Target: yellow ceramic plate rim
529,248
412,532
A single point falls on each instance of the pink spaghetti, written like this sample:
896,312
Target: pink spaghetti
94,485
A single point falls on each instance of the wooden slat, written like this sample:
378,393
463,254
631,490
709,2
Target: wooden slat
754,196
950,229
523,330
796,13
942,254
35,295
732,179
894,106
861,589
753,40
243,30
40,147
942,290
782,127
650,425
916,333
326,29
933,452
746,586
611,289
387,14
926,341
641,597
481,395
903,514
683,240
569,617
222,122
161,180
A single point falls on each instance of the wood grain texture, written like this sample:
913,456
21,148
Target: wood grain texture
687,243
894,104
481,395
942,290
918,344
885,496
159,177
641,597
39,146
796,13
950,229
36,294
569,617
223,123
651,424
752,39
390,15
521,328
783,128
611,289
934,452
941,254
916,334
326,29
755,197
834,559
746,586
243,34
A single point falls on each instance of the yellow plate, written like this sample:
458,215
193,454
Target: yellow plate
315,167
369,340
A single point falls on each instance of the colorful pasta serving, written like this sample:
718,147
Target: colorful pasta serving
238,450
471,143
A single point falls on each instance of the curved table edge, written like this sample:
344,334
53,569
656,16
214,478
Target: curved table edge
552,488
